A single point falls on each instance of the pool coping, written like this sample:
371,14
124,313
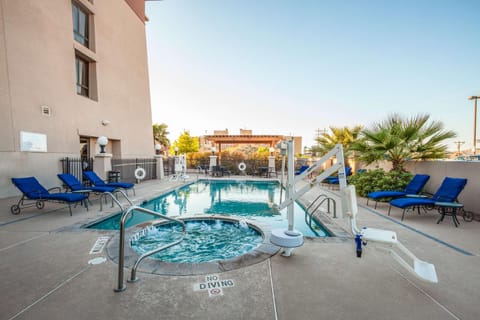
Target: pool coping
154,266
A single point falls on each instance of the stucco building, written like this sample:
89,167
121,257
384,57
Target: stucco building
70,72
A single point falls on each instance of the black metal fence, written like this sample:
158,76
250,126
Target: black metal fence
169,166
252,167
126,168
76,166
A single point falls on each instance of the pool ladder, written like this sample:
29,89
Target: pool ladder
321,199
126,212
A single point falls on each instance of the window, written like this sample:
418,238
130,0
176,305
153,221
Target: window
80,24
81,68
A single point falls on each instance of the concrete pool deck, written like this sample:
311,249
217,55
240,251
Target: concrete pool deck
45,273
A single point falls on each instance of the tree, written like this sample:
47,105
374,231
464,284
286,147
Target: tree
185,143
344,136
399,139
160,134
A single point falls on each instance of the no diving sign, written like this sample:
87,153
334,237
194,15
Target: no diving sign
213,285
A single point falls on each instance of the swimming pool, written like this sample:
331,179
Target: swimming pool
247,199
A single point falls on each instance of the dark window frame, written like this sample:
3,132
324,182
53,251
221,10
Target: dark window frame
81,20
82,74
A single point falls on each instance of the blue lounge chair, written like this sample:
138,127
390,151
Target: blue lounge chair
445,197
33,191
302,168
73,184
98,182
335,179
414,187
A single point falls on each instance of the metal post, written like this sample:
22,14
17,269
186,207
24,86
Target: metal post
475,98
290,187
475,127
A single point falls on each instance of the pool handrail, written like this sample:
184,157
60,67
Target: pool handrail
115,199
133,276
310,213
121,250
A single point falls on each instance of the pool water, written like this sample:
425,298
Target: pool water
205,241
247,199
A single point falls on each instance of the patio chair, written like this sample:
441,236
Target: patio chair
335,179
302,168
413,188
384,240
74,185
445,197
98,182
33,193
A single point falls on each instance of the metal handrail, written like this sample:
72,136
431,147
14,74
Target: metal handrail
121,250
326,198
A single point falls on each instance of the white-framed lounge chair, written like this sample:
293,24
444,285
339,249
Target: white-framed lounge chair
385,240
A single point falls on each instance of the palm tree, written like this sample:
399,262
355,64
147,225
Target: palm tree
399,139
344,136
160,134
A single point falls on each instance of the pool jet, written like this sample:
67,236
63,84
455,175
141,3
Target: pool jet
290,238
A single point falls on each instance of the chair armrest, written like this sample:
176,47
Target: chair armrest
55,188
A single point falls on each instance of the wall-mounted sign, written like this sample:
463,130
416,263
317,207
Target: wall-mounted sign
33,142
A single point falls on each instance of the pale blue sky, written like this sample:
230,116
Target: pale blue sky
292,67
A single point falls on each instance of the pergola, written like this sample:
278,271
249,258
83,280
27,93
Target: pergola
270,140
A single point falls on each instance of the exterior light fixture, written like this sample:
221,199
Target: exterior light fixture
213,150
176,150
158,147
272,150
475,98
102,142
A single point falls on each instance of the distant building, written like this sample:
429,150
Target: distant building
70,72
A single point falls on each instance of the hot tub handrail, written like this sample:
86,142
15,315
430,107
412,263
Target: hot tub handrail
121,249
133,276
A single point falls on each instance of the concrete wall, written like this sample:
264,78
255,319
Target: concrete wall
37,67
438,170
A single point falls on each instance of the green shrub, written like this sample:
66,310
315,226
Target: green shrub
378,179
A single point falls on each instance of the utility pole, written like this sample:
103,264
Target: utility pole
475,98
458,143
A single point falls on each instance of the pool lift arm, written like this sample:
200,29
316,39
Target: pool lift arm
291,238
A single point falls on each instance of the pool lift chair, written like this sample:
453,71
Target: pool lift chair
385,240
290,238
180,169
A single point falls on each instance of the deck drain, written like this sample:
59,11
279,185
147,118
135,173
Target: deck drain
99,245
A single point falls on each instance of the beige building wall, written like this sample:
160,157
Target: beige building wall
438,170
37,68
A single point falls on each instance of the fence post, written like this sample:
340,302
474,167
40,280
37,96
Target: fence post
102,164
159,166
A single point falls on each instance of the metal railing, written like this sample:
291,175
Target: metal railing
76,166
322,199
121,251
127,167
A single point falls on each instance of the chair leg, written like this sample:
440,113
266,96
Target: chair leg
389,208
376,202
403,214
70,209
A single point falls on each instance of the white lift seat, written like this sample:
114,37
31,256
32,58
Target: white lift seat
387,240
